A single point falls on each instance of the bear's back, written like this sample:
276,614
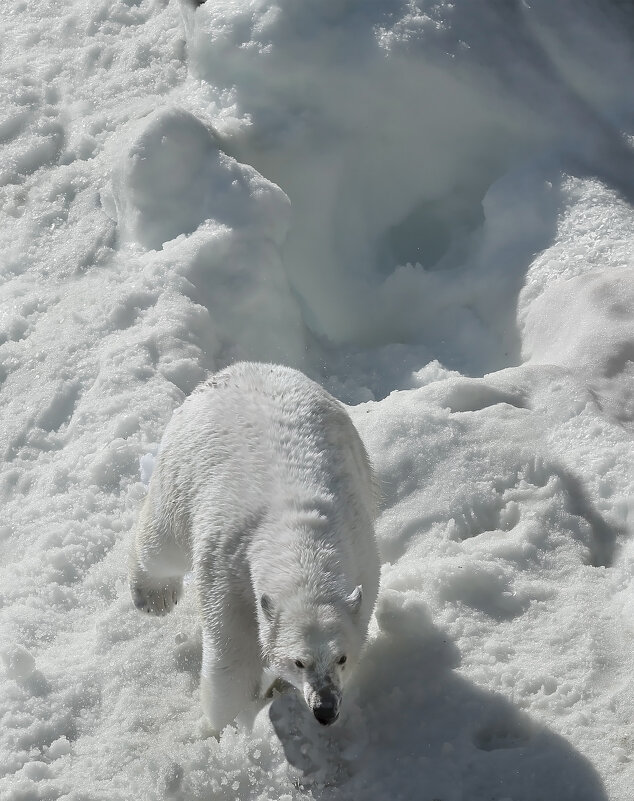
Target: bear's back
267,406
256,438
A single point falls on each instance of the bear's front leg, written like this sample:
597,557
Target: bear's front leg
230,676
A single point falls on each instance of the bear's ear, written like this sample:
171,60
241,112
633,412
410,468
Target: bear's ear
267,607
353,601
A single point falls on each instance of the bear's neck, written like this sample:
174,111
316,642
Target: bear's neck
303,551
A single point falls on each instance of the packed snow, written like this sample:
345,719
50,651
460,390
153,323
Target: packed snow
428,208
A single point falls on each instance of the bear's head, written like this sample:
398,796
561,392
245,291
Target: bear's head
313,646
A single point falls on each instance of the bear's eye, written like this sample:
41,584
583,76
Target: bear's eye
299,664
342,660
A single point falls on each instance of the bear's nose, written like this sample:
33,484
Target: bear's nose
325,715
327,709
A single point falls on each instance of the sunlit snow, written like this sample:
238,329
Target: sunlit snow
428,208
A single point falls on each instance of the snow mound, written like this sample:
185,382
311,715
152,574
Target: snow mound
386,124
216,223
174,176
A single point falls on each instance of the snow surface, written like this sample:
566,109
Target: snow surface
428,207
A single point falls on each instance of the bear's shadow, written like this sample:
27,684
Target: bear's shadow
414,729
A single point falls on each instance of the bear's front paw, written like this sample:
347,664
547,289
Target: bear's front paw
158,599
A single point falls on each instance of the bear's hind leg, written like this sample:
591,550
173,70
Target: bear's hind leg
156,567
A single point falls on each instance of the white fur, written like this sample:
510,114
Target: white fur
263,487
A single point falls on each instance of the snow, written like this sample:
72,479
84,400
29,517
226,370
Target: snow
426,206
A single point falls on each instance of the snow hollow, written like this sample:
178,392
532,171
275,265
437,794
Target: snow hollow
428,208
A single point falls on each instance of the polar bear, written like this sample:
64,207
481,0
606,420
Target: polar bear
263,487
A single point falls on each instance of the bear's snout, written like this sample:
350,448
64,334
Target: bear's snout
326,710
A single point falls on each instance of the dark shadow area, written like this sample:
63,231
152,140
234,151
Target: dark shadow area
467,299
435,232
604,537
418,730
